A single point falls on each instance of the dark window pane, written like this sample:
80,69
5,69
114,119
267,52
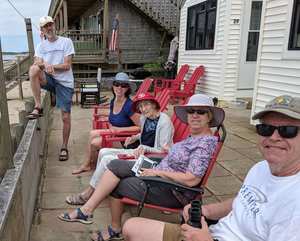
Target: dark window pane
201,24
295,28
255,15
212,4
253,38
210,33
200,33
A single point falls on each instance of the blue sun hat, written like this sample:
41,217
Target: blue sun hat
122,77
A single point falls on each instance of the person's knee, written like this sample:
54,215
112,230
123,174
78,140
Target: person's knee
34,71
66,118
129,229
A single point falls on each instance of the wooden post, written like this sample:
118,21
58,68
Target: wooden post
29,38
61,21
65,10
105,24
6,154
19,78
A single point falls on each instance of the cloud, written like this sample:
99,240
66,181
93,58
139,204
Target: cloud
11,23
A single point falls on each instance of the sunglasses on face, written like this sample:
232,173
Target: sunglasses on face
199,111
283,131
122,85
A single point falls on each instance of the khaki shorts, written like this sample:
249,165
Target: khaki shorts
172,232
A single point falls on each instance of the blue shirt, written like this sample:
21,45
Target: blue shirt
122,119
148,134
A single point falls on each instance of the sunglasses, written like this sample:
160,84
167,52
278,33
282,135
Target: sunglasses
122,85
199,111
283,131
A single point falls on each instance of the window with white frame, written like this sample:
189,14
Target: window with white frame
294,41
201,25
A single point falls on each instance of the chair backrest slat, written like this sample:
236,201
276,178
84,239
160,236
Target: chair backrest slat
190,85
182,72
144,87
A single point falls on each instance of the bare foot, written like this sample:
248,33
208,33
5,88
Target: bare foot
81,169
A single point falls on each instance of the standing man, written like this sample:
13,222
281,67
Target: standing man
52,71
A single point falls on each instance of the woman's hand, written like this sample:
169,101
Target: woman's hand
166,147
196,234
139,151
149,172
128,141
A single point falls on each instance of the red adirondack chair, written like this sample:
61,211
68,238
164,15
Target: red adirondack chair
154,181
100,121
171,84
111,136
189,86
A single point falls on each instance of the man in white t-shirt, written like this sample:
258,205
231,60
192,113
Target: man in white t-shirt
267,207
52,71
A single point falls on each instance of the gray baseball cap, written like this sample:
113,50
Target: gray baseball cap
284,104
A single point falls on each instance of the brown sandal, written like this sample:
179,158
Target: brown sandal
64,154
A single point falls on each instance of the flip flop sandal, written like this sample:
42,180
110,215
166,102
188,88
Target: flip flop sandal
113,235
64,156
34,115
81,217
76,199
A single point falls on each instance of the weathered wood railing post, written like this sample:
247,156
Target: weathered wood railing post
105,25
29,38
19,78
6,153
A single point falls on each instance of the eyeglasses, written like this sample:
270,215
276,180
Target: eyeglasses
199,111
283,131
118,84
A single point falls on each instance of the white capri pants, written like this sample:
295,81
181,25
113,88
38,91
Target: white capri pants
104,158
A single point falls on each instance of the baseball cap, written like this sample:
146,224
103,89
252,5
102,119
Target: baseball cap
284,104
44,20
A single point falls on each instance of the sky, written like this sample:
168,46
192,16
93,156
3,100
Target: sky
12,25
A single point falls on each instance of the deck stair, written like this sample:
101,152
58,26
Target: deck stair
163,12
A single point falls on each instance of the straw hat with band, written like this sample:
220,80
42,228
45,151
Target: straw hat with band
200,100
143,97
122,78
284,104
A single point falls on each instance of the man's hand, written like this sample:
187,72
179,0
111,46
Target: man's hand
185,212
196,234
49,69
138,151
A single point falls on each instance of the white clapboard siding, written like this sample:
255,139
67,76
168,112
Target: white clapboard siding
276,73
221,63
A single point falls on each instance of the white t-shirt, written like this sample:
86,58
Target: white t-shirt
54,53
267,208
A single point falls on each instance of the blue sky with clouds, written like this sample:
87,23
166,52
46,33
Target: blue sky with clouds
12,25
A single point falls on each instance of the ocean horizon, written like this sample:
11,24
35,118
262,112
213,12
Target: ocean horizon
16,44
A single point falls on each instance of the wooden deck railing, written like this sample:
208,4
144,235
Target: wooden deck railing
12,72
85,42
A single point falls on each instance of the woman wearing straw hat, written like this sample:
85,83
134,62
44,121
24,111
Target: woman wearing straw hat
121,117
156,132
186,163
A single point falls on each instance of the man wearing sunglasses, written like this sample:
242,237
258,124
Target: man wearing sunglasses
267,207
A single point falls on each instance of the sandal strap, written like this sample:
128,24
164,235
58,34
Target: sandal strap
81,215
112,233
